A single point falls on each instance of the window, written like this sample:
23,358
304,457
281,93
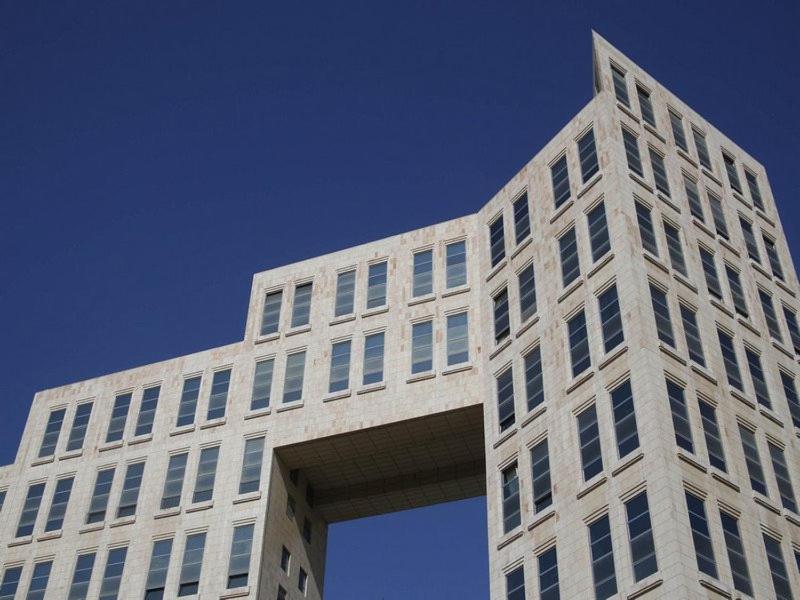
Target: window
99,502
241,547
702,149
302,304
302,581
777,568
757,377
542,490
659,172
548,575
624,419
658,298
505,399
80,423
527,293
522,220
559,174
188,404
791,324
262,384
772,256
421,347
130,490
307,530
219,394
376,285
718,214
345,293
147,411
733,174
501,319
457,339
373,358
58,506
752,460
81,577
281,593
755,191
790,391
737,292
11,577
750,239
675,248
693,197
703,548
515,584
2,499
620,86
30,510
270,320
511,513
587,154
729,359
290,507
293,382
157,571
340,366
456,264
782,477
189,583
736,555
286,558
632,152
51,432
680,416
716,455
578,344
119,415
646,106
112,575
710,272
251,465
598,232
640,535
206,474
173,483
589,436
692,334
423,273
39,579
497,240
603,572
678,132
646,231
769,315
534,381
568,250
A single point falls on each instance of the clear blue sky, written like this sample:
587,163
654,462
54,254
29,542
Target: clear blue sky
153,155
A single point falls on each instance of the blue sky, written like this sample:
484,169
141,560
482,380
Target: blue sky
153,155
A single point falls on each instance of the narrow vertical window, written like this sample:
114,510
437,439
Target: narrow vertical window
589,437
782,477
81,577
271,316
119,415
281,593
112,574
718,215
599,241
730,361
250,478
515,584
640,536
791,324
610,319
692,334
620,86
340,366
58,506
218,400
693,198
158,569
307,530
624,419
675,248
527,293
30,510
716,455
647,232
241,548
187,407
534,381
423,273
189,582
755,191
658,298
750,239
603,571
345,293
293,381
646,106
559,175
511,511
587,154
11,577
502,325
678,133
659,172
373,358
80,423
302,581
206,474
522,219
632,152
505,399
680,416
52,432
542,489
173,482
769,314
262,384
702,149
568,250
39,580
792,399
733,174
421,347
777,568
456,257
301,306
376,285
737,291
580,356
497,243
147,411
710,273
457,339
703,547
736,555
548,575
757,377
131,485
286,558
99,502
772,256
753,460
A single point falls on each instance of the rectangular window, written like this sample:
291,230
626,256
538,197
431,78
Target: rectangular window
578,344
661,311
693,198
52,432
680,416
757,377
270,320
716,455
505,399
718,215
281,593
736,555
511,511
345,293
678,133
218,400
286,558
610,319
587,154
755,191
206,474
703,547
527,293
302,581
112,575
522,219
497,241
568,250
11,577
791,324
548,575
376,285
457,339
188,404
710,272
515,584
30,510
542,490
456,264
301,307
782,477
620,86
423,273
173,483
750,239
132,483
559,175
733,174
589,436
646,106
792,399
421,347
632,152
81,577
753,460
80,423
624,419
99,502
373,358
599,241
675,248
241,548
39,579
147,411
702,149
692,334
262,384
293,381
728,351
640,535
769,315
250,479
646,230
158,569
58,506
777,568
307,530
534,381
189,583
603,571
772,256
340,366
737,292
659,172
119,415
502,326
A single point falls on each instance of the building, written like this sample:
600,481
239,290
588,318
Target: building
608,350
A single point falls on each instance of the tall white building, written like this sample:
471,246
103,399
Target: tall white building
607,350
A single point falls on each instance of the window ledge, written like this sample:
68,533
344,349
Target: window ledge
378,310
521,246
703,372
601,262
741,198
343,319
500,347
298,330
141,439
214,423
791,517
671,352
123,521
268,338
422,299
579,381
510,537
781,348
457,368
110,446
643,587
711,176
747,325
530,322
92,527
715,586
182,430
725,243
373,387
248,497
167,512
685,156
655,261
757,267
612,355
584,189
547,514
691,460
741,397
496,269
421,376
50,535
574,285
681,278
71,454
721,307
591,485
504,436
43,461
724,479
640,180
239,592
771,415
668,201
654,132
784,286
765,216
291,406
338,395
20,541
532,415
702,227
627,111
455,291
261,412
200,506
561,210
762,500
628,461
